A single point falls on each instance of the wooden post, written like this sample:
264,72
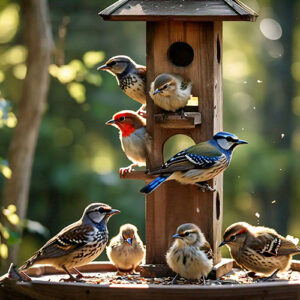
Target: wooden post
172,203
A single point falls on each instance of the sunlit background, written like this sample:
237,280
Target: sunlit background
78,157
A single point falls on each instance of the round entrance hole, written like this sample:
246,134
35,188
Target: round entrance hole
180,54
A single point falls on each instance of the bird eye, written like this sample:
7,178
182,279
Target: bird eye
112,63
101,210
165,86
187,234
232,238
229,139
122,118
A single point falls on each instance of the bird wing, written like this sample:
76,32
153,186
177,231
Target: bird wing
141,70
70,238
269,243
67,240
200,156
207,249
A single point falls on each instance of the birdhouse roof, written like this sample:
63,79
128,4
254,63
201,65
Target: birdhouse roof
178,10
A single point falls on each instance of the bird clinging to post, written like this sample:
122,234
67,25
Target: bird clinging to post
170,92
126,250
190,255
135,141
77,244
259,249
130,76
197,164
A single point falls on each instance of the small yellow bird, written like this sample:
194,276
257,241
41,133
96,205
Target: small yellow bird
126,250
190,255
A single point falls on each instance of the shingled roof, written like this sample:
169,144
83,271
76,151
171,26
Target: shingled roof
180,10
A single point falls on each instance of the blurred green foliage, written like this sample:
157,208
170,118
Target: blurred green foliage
78,157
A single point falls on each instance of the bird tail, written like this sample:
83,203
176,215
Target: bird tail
30,262
149,188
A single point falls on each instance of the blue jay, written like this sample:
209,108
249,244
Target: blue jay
197,164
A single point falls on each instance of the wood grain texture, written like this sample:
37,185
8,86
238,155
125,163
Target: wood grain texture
172,203
189,10
11,290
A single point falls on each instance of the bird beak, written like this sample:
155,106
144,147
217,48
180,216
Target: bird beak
103,68
110,122
176,236
129,241
113,212
156,91
223,243
240,142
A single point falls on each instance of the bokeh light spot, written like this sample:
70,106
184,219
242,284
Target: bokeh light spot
271,29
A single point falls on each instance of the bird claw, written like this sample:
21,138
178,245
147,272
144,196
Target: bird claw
128,169
142,113
205,187
182,113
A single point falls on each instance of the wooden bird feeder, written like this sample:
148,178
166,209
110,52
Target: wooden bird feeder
183,37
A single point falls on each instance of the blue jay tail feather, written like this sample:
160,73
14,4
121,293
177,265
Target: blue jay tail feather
149,188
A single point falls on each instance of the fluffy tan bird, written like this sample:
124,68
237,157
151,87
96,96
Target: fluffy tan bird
259,249
190,255
126,250
135,141
77,244
130,76
170,92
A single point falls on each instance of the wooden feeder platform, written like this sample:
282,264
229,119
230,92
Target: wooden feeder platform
46,286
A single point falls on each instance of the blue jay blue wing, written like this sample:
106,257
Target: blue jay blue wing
200,156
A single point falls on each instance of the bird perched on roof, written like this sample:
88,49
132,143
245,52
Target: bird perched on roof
135,141
130,76
170,92
190,255
126,250
259,249
197,164
77,244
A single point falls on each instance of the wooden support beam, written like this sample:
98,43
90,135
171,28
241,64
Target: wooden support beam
172,203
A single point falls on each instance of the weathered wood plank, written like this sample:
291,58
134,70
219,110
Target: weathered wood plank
12,290
201,10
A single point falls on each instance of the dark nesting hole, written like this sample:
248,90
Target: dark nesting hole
218,206
180,54
218,50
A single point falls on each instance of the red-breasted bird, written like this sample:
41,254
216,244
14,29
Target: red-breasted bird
197,164
190,255
130,76
77,244
259,249
126,250
135,141
170,92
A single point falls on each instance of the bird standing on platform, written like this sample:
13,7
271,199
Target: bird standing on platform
197,164
135,141
77,244
126,250
259,249
171,92
190,255
130,76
